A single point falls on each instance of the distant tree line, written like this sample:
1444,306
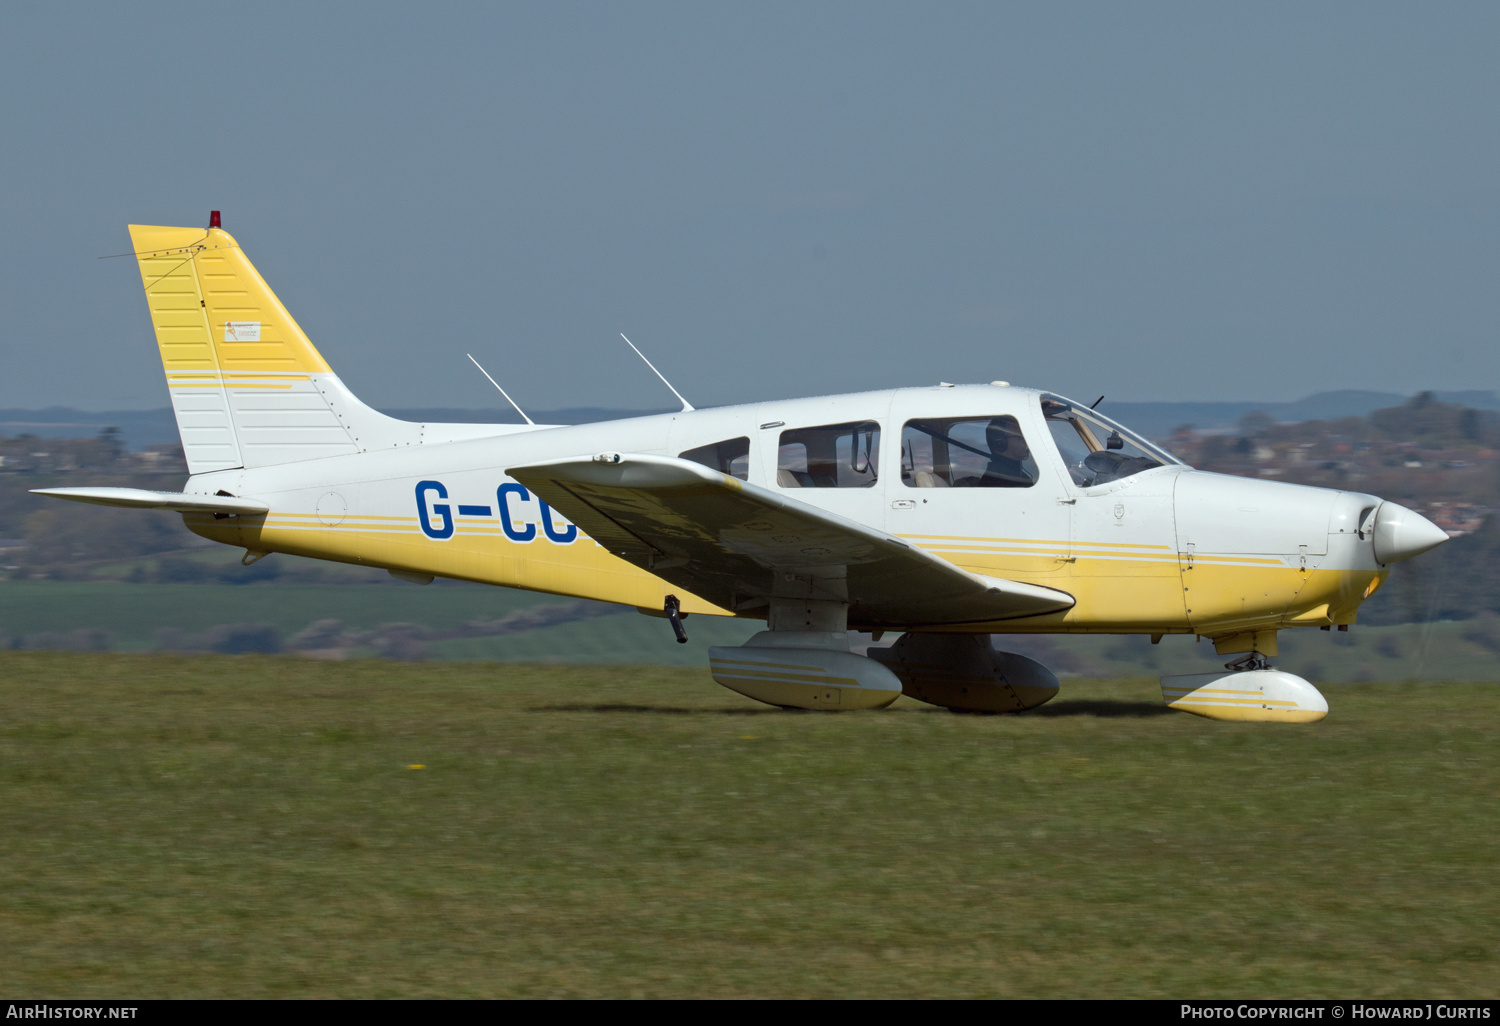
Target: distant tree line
1457,581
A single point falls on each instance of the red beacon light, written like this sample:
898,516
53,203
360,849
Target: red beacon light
213,219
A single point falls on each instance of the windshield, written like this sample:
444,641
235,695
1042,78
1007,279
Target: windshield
1095,448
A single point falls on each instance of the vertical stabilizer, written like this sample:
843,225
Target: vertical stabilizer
248,387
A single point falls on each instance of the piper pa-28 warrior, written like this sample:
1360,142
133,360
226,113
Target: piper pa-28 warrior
945,514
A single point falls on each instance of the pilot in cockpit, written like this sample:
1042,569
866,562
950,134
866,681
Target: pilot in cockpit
1010,464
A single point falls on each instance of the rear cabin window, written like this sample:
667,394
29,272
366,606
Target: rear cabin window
966,452
832,456
730,457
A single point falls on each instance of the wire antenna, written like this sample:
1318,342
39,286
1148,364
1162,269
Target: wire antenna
501,390
687,407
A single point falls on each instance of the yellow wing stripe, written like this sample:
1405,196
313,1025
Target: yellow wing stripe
719,670
1236,702
963,545
216,375
774,666
1027,541
231,384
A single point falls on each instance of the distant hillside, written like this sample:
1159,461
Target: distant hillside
144,428
568,415
141,429
1441,459
1159,420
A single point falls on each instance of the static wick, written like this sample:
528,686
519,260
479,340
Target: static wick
501,390
687,407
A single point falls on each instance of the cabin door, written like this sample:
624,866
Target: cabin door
977,487
832,455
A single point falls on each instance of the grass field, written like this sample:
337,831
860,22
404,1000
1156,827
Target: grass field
216,826
133,615
135,611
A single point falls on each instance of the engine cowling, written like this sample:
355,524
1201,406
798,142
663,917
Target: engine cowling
966,673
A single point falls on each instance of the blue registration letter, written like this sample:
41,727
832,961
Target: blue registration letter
441,510
561,537
502,496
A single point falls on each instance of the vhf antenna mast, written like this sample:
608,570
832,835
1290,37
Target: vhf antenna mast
687,407
501,390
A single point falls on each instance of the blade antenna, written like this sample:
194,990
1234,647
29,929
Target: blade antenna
687,407
501,390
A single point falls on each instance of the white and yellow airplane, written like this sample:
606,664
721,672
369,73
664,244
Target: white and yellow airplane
946,513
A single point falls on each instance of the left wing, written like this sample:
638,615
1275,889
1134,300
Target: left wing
734,543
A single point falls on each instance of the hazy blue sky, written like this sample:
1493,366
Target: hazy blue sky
1155,201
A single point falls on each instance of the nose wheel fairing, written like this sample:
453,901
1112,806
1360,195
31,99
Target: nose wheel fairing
1259,695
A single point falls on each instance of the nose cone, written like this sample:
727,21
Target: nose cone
1401,534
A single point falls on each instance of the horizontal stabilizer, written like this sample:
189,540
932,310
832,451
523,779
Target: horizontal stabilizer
737,544
140,498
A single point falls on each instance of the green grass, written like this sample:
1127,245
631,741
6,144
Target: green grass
132,614
217,826
1434,651
627,637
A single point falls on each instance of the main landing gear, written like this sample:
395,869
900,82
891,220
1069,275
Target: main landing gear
804,662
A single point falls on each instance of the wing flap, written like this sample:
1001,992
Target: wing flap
736,544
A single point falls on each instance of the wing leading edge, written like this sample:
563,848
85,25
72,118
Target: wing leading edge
737,544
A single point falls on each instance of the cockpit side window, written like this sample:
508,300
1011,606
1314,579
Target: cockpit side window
966,452
730,457
832,456
1097,450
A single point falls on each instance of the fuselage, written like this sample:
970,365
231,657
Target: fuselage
1144,543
